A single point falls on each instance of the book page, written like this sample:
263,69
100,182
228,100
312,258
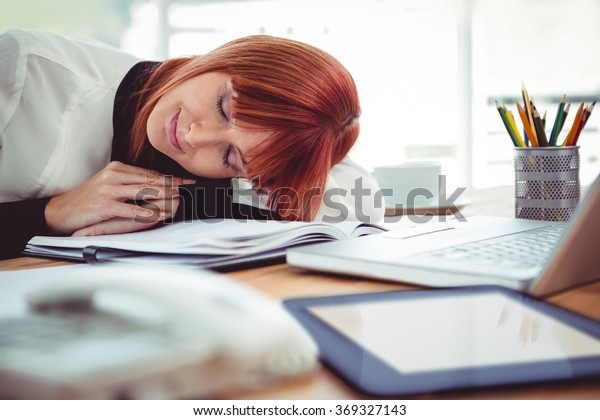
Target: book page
229,236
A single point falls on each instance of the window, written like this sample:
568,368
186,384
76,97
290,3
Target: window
104,20
550,46
402,54
428,71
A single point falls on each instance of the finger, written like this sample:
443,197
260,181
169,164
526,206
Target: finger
152,177
129,174
114,226
127,178
143,192
120,173
167,206
123,167
130,212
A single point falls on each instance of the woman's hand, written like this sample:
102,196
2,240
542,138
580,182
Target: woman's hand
162,209
102,201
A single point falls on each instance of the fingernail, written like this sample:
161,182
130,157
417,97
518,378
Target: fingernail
166,214
189,181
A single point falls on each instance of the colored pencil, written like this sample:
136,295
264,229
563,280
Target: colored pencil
570,137
584,120
557,121
580,127
511,120
544,120
512,135
539,129
566,113
529,112
526,125
534,123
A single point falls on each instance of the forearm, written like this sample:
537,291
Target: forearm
19,222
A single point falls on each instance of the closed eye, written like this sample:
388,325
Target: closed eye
223,105
226,156
219,108
232,158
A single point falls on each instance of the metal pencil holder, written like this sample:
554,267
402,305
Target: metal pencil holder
546,182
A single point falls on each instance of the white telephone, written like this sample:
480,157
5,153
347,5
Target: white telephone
133,331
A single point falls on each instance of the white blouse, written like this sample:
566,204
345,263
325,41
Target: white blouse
56,102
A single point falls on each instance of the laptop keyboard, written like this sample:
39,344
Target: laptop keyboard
527,249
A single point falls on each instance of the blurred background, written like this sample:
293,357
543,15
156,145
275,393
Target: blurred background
428,71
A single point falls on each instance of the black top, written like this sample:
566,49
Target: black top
208,198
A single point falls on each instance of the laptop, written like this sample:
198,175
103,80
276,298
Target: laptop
536,257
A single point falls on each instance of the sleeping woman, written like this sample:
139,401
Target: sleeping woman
95,141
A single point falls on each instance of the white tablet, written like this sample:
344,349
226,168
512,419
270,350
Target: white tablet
411,342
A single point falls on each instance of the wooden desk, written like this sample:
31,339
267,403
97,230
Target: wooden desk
282,281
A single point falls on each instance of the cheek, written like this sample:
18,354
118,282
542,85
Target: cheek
152,128
156,131
155,126
209,165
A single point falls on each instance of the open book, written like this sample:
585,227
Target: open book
211,243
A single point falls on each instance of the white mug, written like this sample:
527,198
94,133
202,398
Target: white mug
410,185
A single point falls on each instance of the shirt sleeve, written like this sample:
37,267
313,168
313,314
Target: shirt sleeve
56,101
351,193
19,222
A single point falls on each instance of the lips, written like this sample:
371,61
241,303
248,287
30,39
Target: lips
173,131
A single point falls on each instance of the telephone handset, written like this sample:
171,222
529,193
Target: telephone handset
229,334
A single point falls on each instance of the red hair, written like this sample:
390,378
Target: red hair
302,96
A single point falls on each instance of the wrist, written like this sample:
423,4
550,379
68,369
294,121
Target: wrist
53,218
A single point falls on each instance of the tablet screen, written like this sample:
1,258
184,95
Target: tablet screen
456,331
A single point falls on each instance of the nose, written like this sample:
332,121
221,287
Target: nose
203,134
